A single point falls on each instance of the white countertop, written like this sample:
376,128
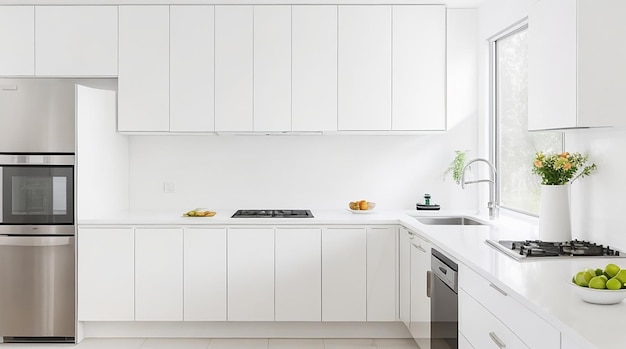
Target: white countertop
541,284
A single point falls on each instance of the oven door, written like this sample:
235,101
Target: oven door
36,194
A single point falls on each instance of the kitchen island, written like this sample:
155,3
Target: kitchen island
541,287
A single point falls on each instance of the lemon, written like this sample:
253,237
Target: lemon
611,270
598,282
613,284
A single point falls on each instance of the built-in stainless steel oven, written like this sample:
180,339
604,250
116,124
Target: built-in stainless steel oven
36,190
37,248
444,302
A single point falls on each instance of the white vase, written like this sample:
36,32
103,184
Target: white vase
554,213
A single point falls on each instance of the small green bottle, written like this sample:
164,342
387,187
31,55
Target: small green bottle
427,199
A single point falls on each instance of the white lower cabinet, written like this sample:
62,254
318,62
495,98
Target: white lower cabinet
420,300
204,274
464,343
106,290
344,274
478,295
251,274
482,329
158,274
298,284
404,250
382,274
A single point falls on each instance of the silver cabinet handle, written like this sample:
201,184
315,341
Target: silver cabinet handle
499,289
419,247
497,340
429,276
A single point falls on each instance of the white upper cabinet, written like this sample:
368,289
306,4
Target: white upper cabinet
158,274
419,68
576,75
234,54
344,274
364,85
272,68
314,68
76,40
143,82
251,274
298,293
17,39
204,274
191,68
382,300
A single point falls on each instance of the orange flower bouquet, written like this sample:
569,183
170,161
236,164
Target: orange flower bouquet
563,168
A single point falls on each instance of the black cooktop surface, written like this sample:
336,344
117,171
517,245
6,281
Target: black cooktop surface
537,248
273,214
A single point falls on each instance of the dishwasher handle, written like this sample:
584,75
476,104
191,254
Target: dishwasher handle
35,241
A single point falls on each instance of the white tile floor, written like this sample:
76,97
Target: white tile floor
199,343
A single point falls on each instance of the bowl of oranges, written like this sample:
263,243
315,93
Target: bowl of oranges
601,286
361,206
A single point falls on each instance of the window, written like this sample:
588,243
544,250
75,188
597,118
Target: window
513,147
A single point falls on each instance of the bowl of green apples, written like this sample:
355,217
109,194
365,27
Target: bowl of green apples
601,286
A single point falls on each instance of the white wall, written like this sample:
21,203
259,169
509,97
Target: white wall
596,201
317,171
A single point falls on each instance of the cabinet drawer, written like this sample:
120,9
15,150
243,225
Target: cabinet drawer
532,329
489,332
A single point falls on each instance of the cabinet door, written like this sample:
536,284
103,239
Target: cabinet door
382,245
344,273
298,274
314,68
143,83
204,274
191,68
106,261
364,67
233,68
601,75
420,302
272,68
17,39
251,274
405,276
483,330
76,40
552,63
158,274
419,67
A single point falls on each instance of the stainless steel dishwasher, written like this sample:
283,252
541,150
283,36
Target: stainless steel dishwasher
444,303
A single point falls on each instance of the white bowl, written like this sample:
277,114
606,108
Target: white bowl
595,296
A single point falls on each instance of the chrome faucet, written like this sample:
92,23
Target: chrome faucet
492,204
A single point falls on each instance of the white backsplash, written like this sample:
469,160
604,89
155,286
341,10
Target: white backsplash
294,171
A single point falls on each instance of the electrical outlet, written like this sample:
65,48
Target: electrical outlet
169,187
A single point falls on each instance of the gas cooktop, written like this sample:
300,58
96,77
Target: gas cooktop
273,214
541,249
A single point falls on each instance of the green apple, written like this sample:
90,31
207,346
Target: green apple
598,282
611,270
621,276
613,284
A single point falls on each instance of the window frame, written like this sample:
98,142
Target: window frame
494,119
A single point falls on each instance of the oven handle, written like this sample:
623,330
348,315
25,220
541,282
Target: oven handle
35,241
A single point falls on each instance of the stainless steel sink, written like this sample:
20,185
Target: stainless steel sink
456,220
